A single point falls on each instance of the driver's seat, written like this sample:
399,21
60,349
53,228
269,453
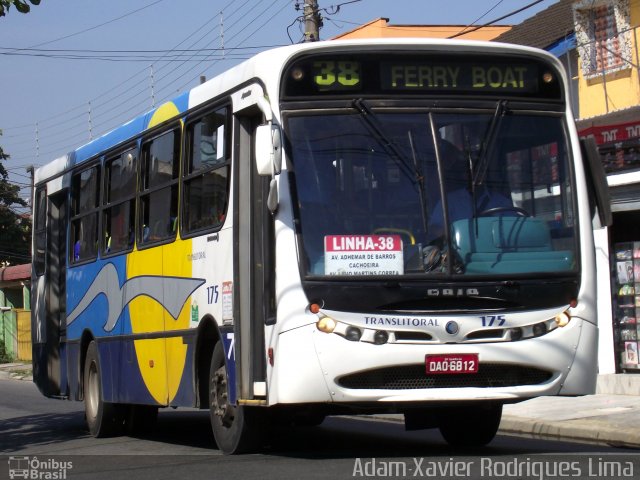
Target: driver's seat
506,245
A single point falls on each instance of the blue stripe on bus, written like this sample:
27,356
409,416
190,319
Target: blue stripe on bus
125,132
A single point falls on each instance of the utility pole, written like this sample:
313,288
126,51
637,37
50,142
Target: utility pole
312,21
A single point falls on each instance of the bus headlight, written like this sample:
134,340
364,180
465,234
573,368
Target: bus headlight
326,324
562,319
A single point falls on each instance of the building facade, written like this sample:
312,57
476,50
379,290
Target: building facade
15,314
380,28
597,41
609,90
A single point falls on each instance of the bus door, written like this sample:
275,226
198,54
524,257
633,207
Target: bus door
254,275
49,315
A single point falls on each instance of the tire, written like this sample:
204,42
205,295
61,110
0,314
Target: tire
236,428
104,419
470,426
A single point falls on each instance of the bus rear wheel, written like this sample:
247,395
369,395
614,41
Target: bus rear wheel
236,428
470,426
104,419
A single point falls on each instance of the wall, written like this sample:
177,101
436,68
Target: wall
622,88
9,332
23,334
15,322
380,28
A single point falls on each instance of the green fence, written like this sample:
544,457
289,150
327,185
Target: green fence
9,333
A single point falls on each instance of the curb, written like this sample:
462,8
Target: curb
592,431
580,430
16,371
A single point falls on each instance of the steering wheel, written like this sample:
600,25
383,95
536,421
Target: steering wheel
521,212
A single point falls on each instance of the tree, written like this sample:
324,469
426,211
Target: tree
15,229
21,5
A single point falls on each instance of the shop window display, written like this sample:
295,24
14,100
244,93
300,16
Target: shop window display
627,304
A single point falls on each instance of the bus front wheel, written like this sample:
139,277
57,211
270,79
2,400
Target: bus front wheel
103,418
236,428
471,426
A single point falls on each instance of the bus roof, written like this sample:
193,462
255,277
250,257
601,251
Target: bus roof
267,67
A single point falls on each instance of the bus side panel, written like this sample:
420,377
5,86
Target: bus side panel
580,380
96,305
212,259
132,388
109,352
186,393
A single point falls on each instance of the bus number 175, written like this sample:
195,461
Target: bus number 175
493,320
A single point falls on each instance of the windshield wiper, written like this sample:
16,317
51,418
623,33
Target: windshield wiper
489,142
391,148
413,173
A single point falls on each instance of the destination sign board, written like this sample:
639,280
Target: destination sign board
421,73
459,76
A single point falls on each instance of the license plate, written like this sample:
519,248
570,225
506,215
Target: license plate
452,363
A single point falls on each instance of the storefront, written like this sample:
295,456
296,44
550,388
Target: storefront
618,139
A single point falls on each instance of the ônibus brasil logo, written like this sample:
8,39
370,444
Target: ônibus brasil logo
33,468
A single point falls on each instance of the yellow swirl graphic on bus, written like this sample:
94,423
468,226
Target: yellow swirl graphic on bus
161,360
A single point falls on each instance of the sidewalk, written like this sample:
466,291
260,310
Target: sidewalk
601,418
610,417
17,371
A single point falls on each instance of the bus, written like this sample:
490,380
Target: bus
342,227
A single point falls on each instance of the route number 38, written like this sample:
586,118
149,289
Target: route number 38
336,74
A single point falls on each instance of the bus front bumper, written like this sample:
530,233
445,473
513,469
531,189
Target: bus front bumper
562,362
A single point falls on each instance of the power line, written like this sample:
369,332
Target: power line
173,50
82,106
497,19
114,99
116,87
464,30
129,58
99,25
258,16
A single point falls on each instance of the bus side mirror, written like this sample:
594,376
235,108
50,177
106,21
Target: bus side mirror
268,150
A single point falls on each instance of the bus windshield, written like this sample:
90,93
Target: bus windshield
441,192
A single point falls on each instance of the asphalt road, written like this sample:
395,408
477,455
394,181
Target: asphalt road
182,446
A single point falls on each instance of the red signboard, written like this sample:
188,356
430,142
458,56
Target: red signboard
613,133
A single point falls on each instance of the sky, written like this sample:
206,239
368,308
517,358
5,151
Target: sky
146,52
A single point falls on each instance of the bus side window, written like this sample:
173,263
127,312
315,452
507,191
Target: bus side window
84,214
119,202
206,178
159,188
